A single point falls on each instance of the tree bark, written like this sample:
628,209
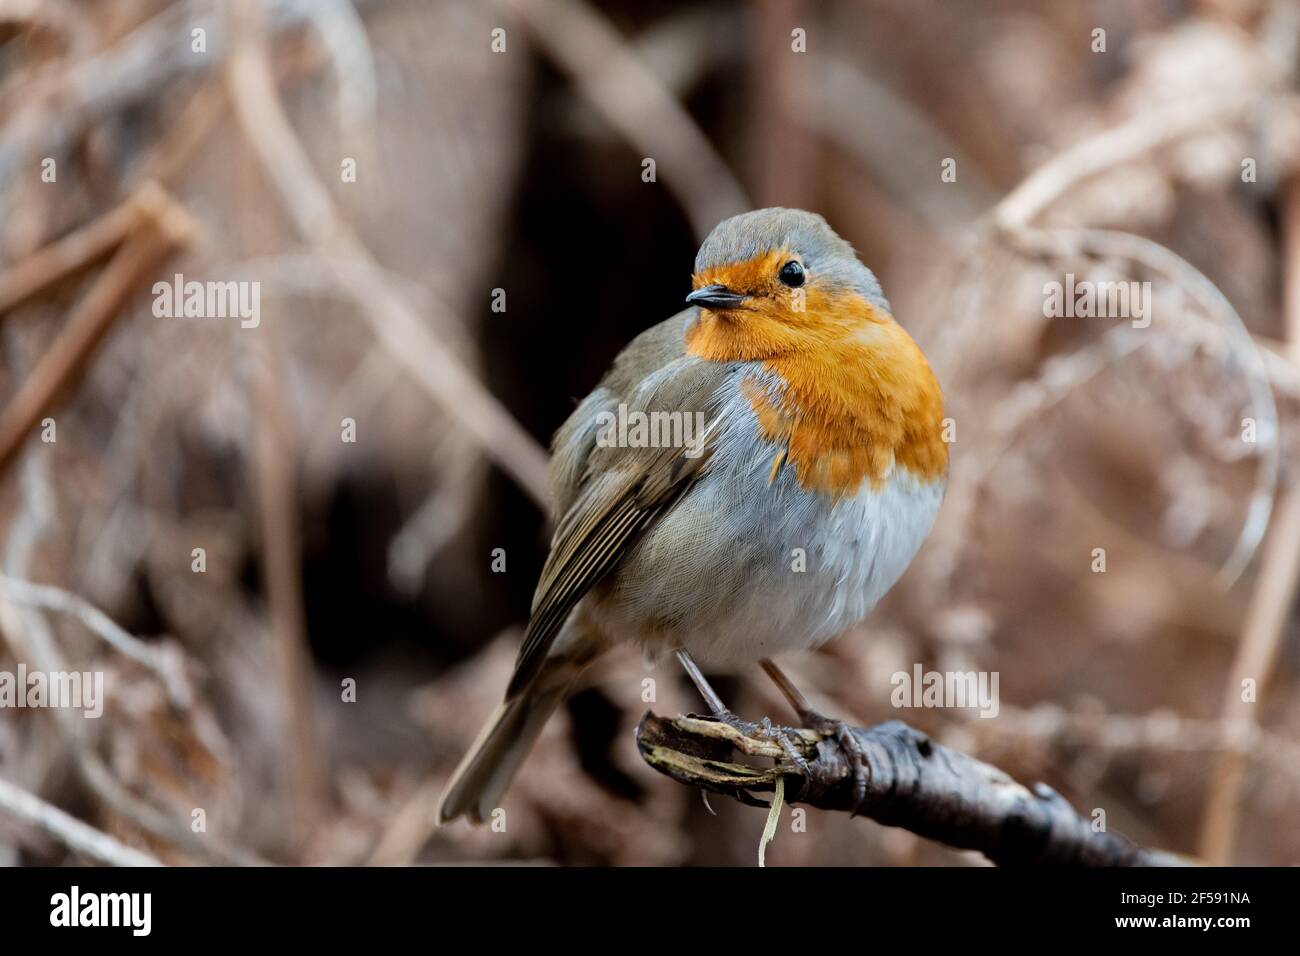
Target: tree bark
910,782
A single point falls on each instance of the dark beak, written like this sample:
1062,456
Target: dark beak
716,296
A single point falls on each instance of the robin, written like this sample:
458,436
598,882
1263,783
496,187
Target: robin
779,524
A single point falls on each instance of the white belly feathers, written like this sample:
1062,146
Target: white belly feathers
746,566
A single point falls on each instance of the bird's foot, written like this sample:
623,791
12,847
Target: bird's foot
843,734
787,738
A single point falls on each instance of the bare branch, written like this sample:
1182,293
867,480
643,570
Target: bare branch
70,831
151,57
399,329
1121,144
1271,603
165,228
50,597
634,101
68,255
912,782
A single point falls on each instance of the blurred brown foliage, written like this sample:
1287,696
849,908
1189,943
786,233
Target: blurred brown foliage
329,561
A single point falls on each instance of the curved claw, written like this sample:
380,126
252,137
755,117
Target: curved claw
784,737
851,746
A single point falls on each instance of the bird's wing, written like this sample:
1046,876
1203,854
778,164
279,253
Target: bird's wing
615,492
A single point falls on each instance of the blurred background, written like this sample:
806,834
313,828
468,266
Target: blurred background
314,541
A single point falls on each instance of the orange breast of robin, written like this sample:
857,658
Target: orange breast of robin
857,401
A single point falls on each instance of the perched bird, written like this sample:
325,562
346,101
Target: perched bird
822,438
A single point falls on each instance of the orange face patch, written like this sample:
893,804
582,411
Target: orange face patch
776,319
859,398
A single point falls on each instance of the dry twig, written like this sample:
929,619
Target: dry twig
51,598
163,229
286,165
74,252
1124,143
1273,599
31,809
634,101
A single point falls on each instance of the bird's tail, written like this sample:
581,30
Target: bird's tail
477,786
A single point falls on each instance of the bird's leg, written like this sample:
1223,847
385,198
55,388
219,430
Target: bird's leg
829,726
780,735
716,706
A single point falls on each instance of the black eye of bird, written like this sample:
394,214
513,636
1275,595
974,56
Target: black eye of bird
791,274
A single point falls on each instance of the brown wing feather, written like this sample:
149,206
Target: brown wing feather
594,541
616,493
